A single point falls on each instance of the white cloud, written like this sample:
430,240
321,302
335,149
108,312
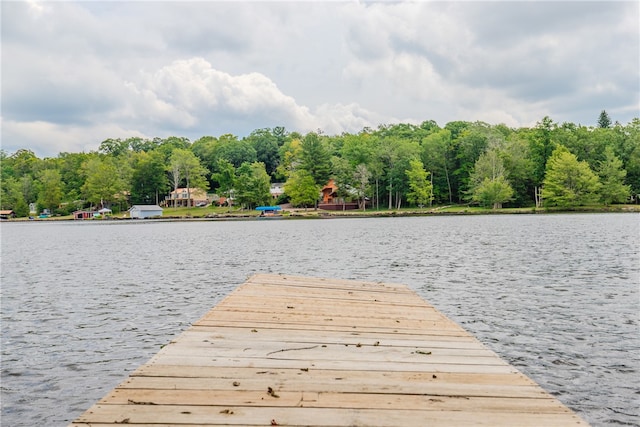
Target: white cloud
191,93
36,8
188,93
338,118
49,139
207,68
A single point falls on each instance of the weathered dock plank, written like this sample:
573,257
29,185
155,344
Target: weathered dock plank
285,350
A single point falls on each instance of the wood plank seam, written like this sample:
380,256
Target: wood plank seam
290,350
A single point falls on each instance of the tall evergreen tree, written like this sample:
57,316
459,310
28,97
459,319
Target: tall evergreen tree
603,120
315,158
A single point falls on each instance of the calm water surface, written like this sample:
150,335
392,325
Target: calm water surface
84,304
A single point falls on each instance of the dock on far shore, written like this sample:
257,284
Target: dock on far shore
296,351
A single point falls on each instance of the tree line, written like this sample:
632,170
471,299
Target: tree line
393,166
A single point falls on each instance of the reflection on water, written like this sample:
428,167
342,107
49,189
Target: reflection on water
84,304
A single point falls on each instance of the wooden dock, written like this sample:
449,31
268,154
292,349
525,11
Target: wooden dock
295,351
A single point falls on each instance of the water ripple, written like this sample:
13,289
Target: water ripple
85,304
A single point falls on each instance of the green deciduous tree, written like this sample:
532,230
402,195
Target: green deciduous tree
612,175
290,153
456,128
114,147
493,192
361,178
569,182
352,182
360,151
175,177
302,189
394,155
342,176
103,182
437,157
629,152
185,165
488,184
72,174
252,185
541,145
229,148
633,172
265,144
469,145
204,149
420,188
386,161
11,194
22,166
29,188
149,178
50,194
168,145
587,144
21,208
23,162
225,179
138,144
519,169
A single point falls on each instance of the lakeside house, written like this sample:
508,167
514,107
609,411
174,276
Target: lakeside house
145,211
83,214
331,201
277,189
87,214
7,213
182,197
329,192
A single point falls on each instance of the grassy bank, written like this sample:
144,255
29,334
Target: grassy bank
211,212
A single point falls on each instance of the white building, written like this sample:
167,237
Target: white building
277,189
145,211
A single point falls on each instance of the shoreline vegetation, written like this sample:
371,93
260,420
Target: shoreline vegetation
217,213
471,167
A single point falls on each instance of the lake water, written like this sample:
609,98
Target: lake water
85,303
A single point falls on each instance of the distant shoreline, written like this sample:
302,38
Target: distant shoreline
326,214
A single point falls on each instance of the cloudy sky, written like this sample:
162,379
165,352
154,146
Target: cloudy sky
77,73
